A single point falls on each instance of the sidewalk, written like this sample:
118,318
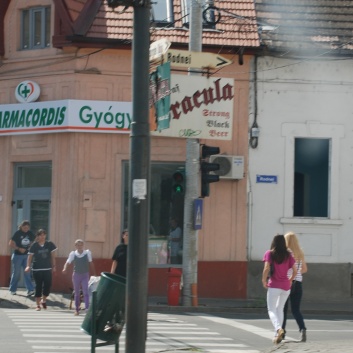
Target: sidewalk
58,301
62,301
313,347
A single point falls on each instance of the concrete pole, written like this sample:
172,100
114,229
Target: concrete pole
192,171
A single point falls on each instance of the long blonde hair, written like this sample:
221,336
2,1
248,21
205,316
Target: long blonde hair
293,244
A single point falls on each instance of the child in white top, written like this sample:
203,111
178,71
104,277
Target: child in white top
83,263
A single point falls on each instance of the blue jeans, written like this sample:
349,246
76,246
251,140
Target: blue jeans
19,263
295,298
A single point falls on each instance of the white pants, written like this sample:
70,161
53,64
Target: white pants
276,299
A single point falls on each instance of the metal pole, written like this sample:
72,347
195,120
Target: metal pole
137,269
192,167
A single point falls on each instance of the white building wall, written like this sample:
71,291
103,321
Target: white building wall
302,98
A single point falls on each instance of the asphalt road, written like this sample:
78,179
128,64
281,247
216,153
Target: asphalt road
54,331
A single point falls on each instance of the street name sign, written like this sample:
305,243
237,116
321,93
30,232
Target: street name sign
197,60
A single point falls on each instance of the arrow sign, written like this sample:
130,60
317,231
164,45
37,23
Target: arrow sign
197,60
158,48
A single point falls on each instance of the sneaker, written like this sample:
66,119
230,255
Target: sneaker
38,308
13,293
302,336
30,293
76,313
280,334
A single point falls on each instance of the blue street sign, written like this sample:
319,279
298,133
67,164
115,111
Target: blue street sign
198,206
269,179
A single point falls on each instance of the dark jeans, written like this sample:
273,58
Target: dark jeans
295,298
43,281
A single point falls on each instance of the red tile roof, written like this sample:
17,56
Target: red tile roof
237,27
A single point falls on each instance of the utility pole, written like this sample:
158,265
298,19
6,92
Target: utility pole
192,171
139,199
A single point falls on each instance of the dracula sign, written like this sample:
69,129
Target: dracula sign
200,107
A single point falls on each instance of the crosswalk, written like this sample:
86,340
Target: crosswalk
60,331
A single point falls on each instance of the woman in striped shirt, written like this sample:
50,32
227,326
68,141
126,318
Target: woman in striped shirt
296,292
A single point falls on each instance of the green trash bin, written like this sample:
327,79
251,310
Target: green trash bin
109,309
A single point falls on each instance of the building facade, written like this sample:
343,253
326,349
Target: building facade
300,169
72,178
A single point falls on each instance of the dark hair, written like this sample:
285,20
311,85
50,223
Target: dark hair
122,235
41,231
279,251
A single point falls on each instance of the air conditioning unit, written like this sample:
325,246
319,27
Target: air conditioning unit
230,167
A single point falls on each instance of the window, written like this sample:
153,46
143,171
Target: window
311,177
327,139
35,28
162,13
166,204
34,176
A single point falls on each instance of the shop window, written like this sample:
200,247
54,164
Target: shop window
311,177
35,28
166,206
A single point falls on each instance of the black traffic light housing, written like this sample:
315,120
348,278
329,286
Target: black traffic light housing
178,184
206,168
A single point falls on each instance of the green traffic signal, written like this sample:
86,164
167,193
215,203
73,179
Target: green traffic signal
178,189
178,182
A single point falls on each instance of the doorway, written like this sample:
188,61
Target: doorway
32,195
31,198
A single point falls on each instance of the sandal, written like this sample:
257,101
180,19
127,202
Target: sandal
38,308
44,305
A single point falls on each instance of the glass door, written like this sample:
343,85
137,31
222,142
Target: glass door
32,195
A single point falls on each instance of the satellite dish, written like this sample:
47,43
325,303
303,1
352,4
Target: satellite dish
224,165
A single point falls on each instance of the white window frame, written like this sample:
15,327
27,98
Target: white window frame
312,129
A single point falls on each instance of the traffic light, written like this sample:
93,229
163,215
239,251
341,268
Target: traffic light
178,186
206,168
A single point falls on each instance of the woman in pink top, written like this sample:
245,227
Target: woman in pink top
277,282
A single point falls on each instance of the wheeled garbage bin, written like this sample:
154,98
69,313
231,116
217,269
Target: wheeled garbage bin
109,312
